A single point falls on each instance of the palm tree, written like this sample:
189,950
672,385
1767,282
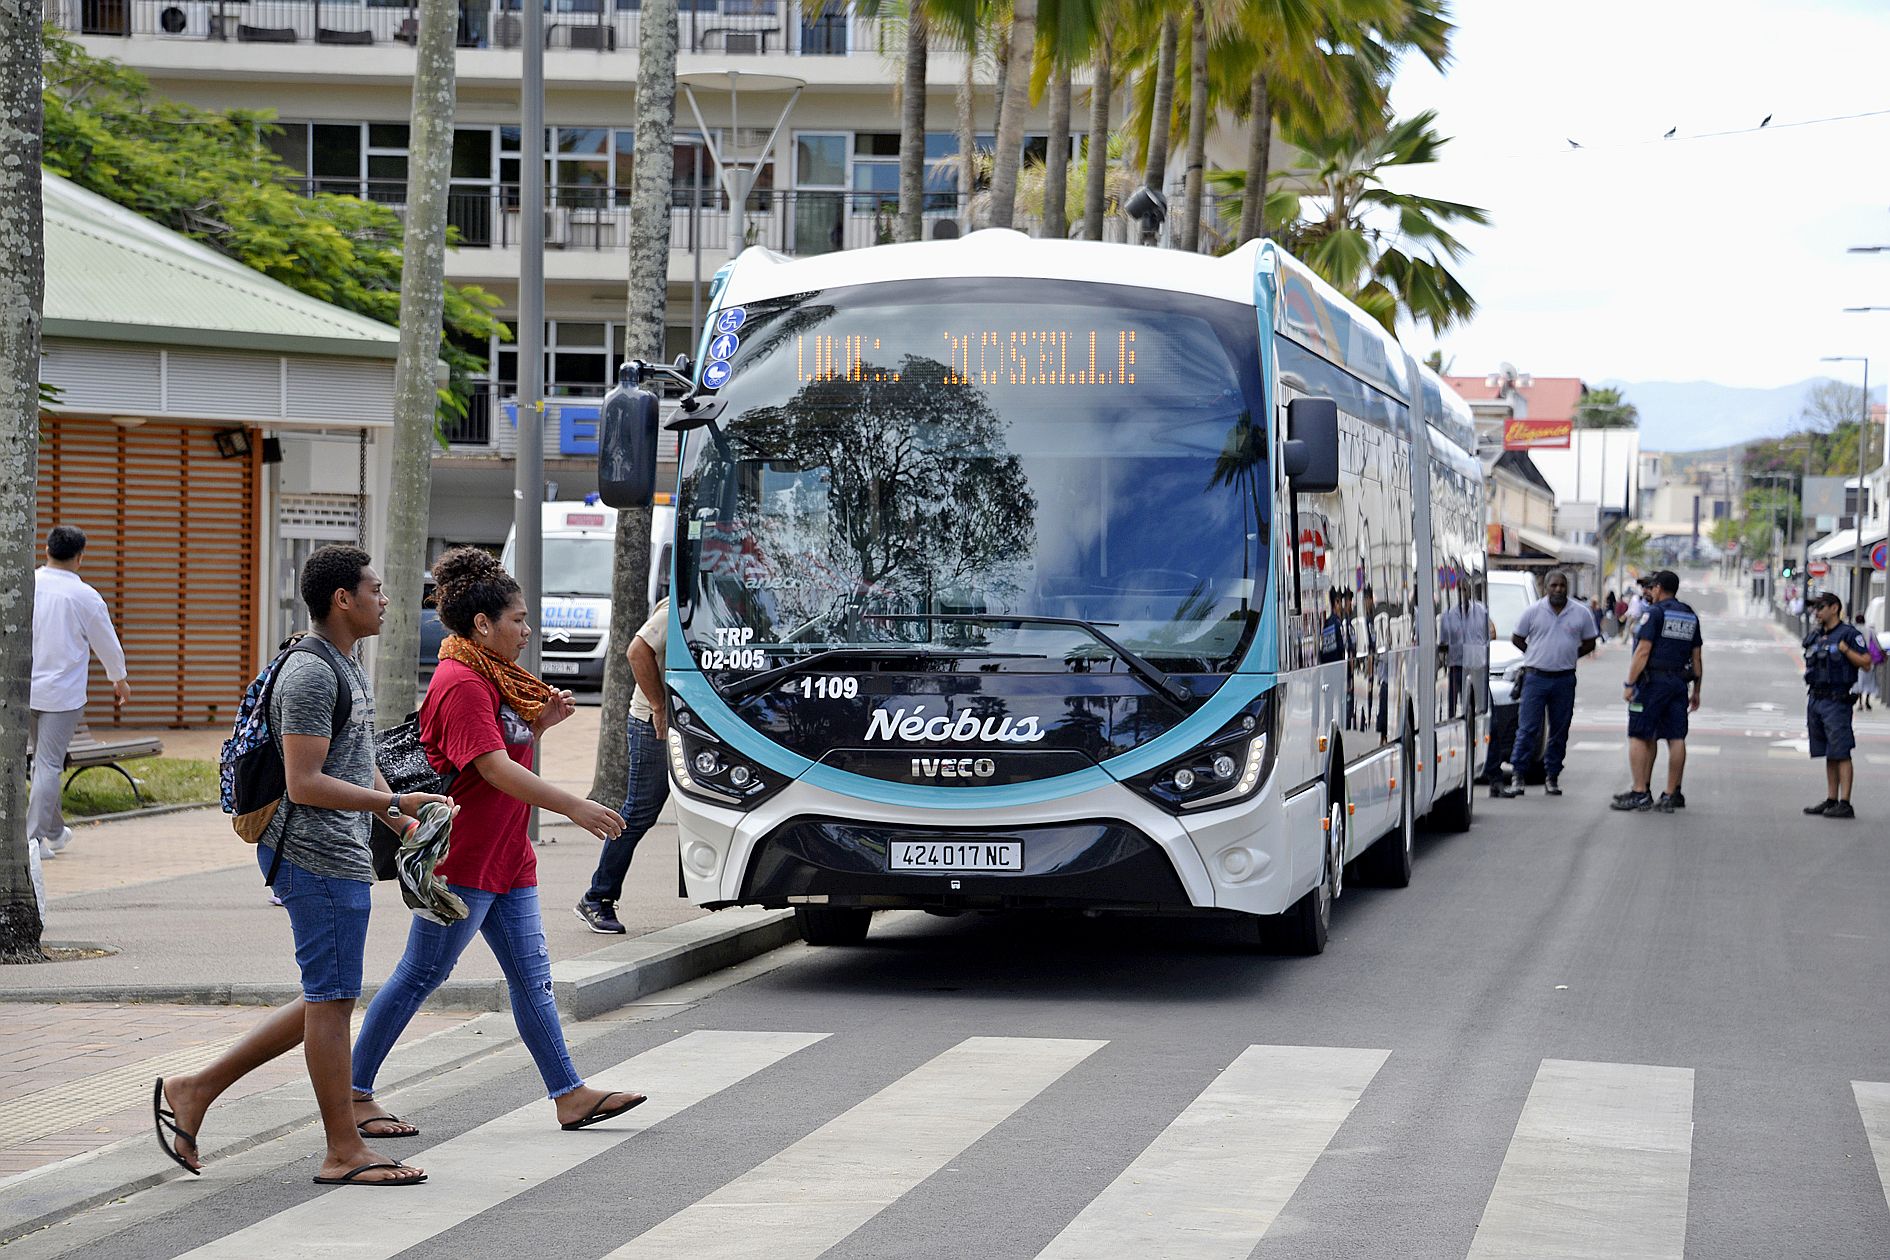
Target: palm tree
1605,408
1161,103
650,195
22,306
1385,250
1096,149
1056,167
1198,122
912,125
416,394
1013,103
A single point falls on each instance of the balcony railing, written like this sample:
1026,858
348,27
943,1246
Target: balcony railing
800,221
718,27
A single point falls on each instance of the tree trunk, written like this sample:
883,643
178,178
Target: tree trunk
650,195
912,130
968,132
1014,101
1155,163
416,388
1056,163
1199,119
1096,161
1253,205
22,303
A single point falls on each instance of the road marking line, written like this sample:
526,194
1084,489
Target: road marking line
1873,1103
1597,1168
1702,750
502,1158
1213,1181
1596,745
813,1194
1877,759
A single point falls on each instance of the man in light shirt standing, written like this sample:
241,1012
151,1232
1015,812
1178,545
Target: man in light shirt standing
1552,634
70,623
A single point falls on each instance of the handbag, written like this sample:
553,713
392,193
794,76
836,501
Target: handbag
402,759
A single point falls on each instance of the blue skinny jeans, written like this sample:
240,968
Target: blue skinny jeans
512,927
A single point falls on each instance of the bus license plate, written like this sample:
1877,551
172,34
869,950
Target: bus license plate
561,667
956,855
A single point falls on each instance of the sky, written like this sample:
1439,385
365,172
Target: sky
1697,258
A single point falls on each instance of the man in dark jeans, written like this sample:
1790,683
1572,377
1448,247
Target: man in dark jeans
1552,634
646,730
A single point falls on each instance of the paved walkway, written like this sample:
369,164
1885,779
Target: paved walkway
180,900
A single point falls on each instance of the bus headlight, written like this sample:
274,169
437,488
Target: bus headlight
1227,768
705,768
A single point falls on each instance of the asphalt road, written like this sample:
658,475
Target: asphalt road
1578,1033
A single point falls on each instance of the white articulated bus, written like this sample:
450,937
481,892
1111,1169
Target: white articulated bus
1018,574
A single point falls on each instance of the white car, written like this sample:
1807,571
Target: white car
1510,592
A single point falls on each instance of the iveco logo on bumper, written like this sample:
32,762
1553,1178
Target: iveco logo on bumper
953,767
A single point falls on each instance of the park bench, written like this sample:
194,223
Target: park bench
88,752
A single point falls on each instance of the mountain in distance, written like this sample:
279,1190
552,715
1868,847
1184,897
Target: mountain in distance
1700,415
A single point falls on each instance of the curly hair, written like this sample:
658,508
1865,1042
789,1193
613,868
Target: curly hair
336,567
468,581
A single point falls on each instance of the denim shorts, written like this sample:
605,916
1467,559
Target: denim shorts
1663,712
329,918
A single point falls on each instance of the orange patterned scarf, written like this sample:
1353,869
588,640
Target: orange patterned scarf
525,692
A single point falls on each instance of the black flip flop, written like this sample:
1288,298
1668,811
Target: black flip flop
348,1178
607,1113
163,1118
408,1130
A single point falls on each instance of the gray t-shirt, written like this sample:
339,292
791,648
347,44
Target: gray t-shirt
326,841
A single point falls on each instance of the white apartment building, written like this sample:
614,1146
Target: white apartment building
338,76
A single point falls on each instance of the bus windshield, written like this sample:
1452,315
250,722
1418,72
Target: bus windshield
909,462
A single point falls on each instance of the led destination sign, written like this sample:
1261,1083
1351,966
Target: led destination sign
1057,358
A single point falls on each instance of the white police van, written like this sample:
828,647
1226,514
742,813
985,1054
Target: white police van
579,539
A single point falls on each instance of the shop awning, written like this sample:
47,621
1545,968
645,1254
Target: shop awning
1558,549
1842,546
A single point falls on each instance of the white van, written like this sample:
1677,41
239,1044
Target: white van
579,544
1511,591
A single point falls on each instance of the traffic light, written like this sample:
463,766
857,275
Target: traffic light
1788,568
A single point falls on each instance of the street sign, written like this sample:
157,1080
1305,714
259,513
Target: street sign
1817,568
1758,566
1880,556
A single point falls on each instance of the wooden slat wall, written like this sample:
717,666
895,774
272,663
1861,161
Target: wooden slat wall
173,536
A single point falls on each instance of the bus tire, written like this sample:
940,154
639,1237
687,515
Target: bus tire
1454,812
832,925
1387,864
1305,927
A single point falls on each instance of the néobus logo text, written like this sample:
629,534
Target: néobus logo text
915,726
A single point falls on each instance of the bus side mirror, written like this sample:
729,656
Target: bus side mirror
626,447
1310,454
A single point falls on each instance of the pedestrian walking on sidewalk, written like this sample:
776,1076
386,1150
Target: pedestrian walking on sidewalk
70,625
1553,633
1834,653
482,714
646,731
1665,666
1865,688
316,846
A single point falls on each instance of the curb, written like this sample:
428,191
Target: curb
454,995
45,1196
618,974
149,811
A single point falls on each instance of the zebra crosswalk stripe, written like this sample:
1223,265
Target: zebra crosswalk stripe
1211,1183
1873,1104
817,1191
485,1166
1597,1168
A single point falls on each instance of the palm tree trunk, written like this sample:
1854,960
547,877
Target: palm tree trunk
416,389
1156,164
968,132
912,129
1198,120
1013,101
650,195
22,305
1096,162
1253,205
1056,162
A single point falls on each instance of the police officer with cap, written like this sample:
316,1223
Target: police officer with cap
1834,652
1666,660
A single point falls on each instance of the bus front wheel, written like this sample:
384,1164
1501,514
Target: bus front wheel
832,925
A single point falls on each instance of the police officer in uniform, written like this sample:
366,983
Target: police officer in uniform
1666,660
1834,652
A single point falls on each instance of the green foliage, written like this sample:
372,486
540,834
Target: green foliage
210,175
1605,408
161,780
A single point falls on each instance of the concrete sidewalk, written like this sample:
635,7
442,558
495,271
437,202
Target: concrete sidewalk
197,947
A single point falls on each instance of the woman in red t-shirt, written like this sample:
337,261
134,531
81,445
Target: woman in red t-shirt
481,715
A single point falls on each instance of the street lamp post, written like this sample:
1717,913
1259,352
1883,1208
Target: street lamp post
1857,519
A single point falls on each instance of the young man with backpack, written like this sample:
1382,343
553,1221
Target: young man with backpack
314,849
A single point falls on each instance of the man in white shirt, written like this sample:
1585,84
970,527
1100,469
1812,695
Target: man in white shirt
1552,634
70,623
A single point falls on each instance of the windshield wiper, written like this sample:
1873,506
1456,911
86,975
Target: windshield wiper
742,688
1164,686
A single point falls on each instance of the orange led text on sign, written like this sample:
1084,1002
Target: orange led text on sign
1022,357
